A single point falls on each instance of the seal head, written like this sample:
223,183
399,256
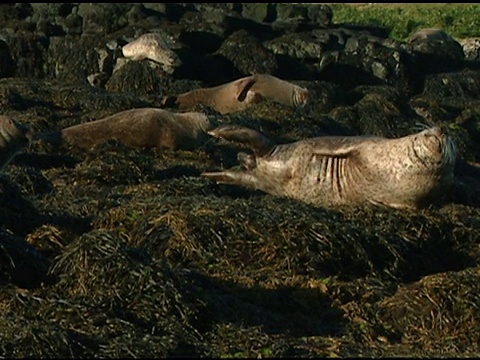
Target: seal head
152,46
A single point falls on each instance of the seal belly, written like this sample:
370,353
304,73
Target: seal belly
324,181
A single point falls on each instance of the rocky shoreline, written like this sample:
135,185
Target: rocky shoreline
118,252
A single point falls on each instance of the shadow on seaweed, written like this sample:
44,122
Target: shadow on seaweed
296,311
466,190
19,214
21,263
44,161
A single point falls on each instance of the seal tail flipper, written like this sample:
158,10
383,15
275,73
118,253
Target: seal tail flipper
244,85
254,139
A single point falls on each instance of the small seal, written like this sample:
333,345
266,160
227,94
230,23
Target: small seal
14,137
240,94
429,34
407,172
142,128
154,47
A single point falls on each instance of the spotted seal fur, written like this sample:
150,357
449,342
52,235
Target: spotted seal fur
407,172
141,128
240,94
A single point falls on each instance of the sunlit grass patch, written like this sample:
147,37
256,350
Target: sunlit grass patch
459,20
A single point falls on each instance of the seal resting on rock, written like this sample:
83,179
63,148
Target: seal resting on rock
13,138
430,34
154,47
142,128
407,172
240,94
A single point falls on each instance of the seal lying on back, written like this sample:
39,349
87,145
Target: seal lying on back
154,47
407,172
13,138
240,94
143,128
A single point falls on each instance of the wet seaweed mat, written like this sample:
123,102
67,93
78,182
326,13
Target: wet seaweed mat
125,252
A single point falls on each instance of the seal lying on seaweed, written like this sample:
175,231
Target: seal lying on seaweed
406,172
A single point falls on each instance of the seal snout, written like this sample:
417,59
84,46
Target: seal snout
437,145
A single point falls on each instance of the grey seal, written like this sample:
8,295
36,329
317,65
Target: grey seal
240,94
406,172
142,128
152,46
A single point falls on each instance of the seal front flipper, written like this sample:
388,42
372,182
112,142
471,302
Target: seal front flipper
337,146
243,87
232,177
254,139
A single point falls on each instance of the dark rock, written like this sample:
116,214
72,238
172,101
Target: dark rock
85,54
320,15
203,32
463,84
52,10
138,77
103,18
137,13
259,12
213,23
7,66
47,27
29,53
262,31
381,115
365,61
294,17
72,24
323,96
247,54
212,69
434,56
15,11
302,46
377,31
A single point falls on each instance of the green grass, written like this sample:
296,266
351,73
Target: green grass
459,20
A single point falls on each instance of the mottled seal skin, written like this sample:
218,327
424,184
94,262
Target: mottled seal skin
407,172
240,94
14,137
141,128
154,47
279,90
